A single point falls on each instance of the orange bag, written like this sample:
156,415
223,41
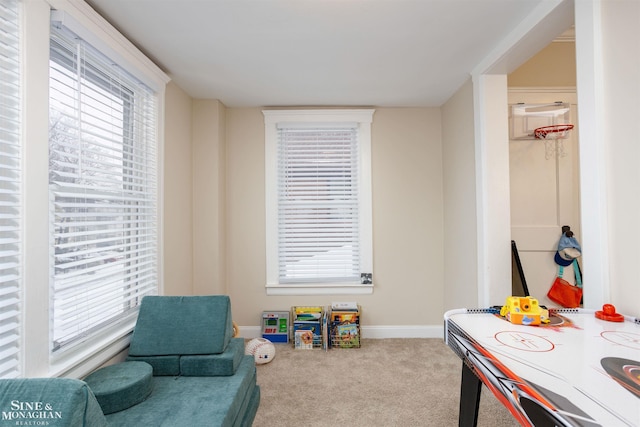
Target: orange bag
564,293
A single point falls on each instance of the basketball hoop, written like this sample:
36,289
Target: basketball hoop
553,137
552,132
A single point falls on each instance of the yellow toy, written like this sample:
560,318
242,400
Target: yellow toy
524,311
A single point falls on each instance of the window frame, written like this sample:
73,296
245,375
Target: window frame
103,191
273,118
84,21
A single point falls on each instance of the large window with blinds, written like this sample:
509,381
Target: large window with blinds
103,191
10,190
318,200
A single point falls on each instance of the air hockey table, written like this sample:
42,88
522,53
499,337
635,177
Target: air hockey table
577,370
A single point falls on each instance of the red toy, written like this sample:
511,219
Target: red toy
609,313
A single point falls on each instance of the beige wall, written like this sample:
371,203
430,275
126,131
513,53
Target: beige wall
407,220
245,216
177,226
209,179
228,201
194,253
460,227
555,65
228,243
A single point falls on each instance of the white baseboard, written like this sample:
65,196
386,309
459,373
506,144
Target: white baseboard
403,331
376,332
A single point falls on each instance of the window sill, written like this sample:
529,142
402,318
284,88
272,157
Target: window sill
79,361
319,289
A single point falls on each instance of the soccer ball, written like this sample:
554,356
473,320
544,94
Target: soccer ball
262,350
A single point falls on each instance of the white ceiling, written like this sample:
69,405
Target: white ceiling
249,53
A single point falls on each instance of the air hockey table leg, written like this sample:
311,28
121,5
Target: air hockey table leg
470,389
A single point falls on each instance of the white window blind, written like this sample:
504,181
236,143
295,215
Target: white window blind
103,191
318,215
10,191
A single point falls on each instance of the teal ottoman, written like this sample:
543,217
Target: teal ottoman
121,386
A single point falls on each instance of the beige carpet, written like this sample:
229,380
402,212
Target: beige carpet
386,382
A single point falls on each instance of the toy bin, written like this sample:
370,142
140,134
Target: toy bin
308,327
344,328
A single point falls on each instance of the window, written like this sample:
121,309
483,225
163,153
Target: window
10,191
103,191
318,192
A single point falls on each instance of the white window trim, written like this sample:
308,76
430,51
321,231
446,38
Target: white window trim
364,118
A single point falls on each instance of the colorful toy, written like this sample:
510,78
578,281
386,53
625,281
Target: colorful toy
523,311
275,326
